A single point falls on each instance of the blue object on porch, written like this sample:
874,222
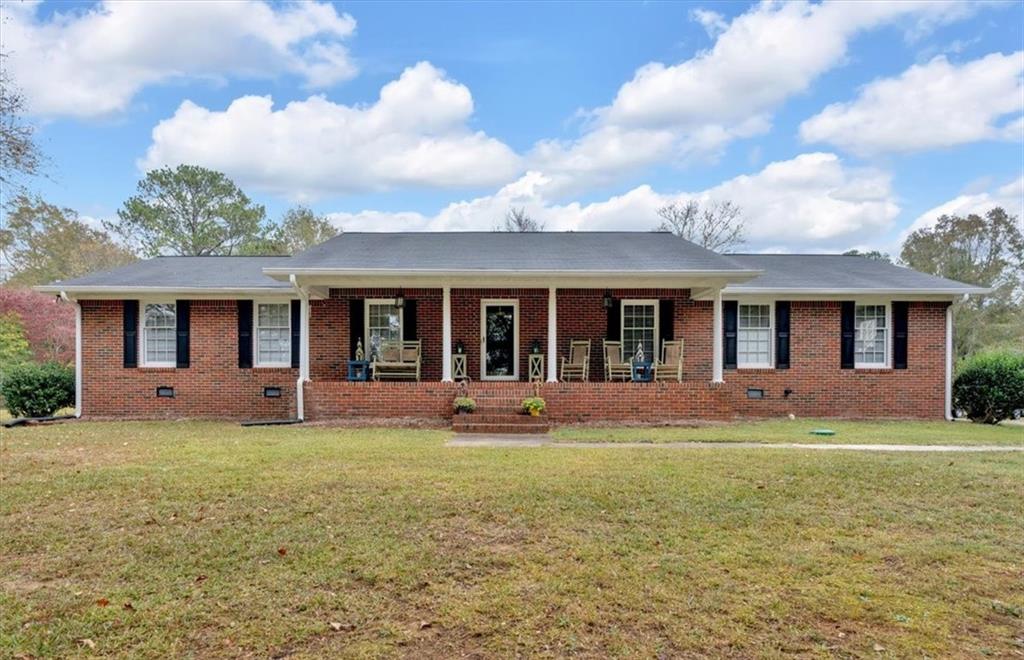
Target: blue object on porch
642,372
358,370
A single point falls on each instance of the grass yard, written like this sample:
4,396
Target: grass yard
799,430
210,540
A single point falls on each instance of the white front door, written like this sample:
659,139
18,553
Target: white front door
499,340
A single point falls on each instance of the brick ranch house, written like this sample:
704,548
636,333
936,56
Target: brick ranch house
270,338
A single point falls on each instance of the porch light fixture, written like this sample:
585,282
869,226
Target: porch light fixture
535,347
400,299
459,348
608,300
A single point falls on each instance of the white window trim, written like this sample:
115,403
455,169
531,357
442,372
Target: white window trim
366,320
256,334
887,364
143,361
629,350
771,335
491,302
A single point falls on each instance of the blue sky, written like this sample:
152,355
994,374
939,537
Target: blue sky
832,125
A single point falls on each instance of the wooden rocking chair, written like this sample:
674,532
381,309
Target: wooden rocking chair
577,366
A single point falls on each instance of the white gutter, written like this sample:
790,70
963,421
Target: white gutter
731,290
300,412
78,351
105,289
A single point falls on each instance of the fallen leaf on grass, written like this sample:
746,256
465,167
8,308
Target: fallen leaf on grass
879,648
102,602
200,578
425,624
282,551
337,627
87,642
129,607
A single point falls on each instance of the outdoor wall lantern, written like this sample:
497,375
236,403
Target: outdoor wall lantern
400,299
535,347
459,348
608,300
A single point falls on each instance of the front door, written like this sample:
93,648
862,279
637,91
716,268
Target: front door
499,341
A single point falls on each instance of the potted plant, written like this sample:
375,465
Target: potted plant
534,405
464,405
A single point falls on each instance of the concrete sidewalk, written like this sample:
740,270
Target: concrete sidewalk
512,440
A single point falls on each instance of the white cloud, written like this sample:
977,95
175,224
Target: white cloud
416,134
1009,196
91,63
698,106
811,200
928,106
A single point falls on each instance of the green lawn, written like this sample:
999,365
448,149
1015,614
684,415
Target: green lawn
210,540
799,430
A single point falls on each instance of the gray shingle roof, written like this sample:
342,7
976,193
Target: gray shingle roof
833,272
183,273
503,251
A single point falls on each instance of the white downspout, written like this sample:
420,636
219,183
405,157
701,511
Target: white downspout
949,363
78,352
300,412
716,357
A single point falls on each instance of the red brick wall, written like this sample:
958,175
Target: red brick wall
821,389
212,386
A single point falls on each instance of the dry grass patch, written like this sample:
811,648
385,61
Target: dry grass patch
204,539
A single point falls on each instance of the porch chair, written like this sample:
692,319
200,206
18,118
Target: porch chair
670,366
399,360
577,366
615,368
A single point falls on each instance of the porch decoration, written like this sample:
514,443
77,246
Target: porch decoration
398,360
358,370
641,366
464,405
360,353
534,405
535,347
459,370
460,348
536,370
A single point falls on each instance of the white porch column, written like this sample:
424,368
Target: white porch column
949,362
446,335
552,336
716,357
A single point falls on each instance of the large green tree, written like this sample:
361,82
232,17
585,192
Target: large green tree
42,243
299,229
189,210
985,250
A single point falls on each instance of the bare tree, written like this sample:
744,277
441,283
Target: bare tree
716,226
19,154
517,220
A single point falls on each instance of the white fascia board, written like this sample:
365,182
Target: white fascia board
285,273
731,293
86,292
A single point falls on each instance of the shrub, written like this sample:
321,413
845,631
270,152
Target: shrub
38,390
989,387
464,404
533,405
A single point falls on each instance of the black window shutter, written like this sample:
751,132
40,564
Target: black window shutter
131,333
409,321
356,311
730,324
899,334
782,334
296,332
245,334
666,321
614,332
182,313
847,334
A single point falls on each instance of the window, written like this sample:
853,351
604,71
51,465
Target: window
640,326
159,348
273,334
754,336
383,324
871,337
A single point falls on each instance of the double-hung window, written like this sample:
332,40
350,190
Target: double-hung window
640,327
383,324
754,336
871,336
159,348
273,335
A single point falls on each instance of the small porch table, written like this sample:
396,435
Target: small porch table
643,372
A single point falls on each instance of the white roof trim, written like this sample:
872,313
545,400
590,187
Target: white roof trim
858,291
110,289
439,272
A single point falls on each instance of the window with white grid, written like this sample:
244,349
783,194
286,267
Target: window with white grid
871,338
158,335
273,334
640,327
754,336
383,324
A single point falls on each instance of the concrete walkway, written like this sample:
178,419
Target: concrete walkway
522,440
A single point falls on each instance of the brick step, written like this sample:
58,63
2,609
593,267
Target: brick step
500,428
503,417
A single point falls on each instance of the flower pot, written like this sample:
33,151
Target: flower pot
534,412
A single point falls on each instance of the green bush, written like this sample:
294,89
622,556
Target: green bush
464,404
38,390
533,405
989,387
